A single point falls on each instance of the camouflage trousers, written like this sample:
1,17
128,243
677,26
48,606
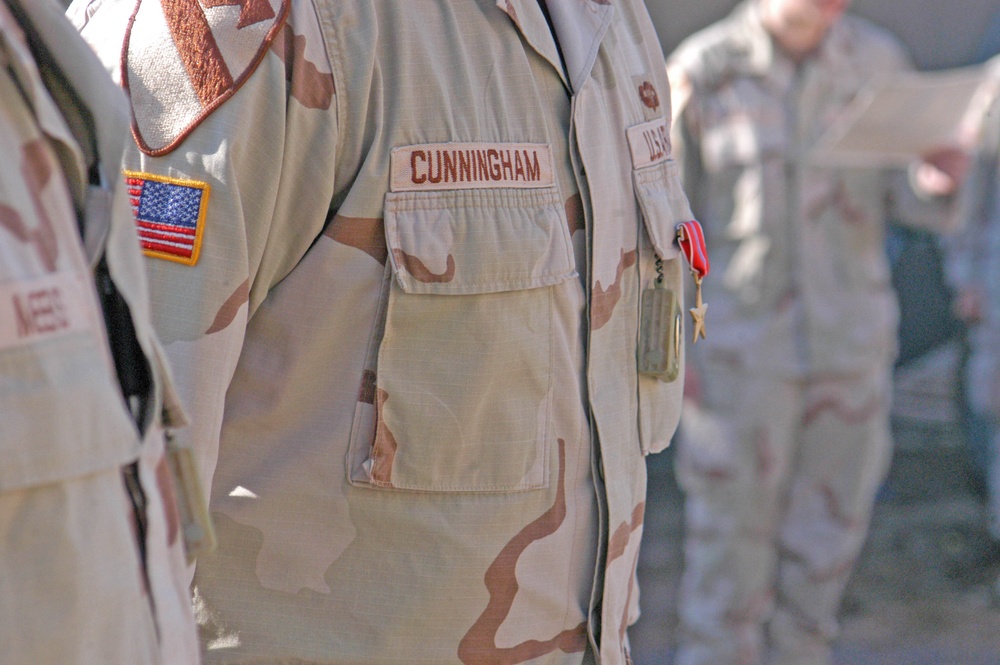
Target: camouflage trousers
780,477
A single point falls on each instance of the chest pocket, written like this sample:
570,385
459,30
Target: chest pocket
464,381
63,416
664,205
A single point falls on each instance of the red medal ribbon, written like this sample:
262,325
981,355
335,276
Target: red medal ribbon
691,238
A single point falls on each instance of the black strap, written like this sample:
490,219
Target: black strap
131,365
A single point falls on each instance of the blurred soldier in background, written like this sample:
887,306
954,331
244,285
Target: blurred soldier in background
973,268
91,560
785,432
397,253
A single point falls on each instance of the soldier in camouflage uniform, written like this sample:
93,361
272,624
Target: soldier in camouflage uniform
785,435
91,563
402,294
973,268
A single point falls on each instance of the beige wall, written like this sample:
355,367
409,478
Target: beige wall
939,33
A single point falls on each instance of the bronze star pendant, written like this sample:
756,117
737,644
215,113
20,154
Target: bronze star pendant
698,312
698,317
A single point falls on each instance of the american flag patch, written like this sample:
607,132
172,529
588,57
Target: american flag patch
169,215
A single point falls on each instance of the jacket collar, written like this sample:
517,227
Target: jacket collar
96,106
580,26
50,121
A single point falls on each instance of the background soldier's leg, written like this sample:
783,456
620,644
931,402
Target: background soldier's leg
845,454
732,464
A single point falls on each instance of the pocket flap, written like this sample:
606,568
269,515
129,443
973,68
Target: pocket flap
664,205
482,241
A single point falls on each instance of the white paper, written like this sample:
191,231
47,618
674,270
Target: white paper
899,119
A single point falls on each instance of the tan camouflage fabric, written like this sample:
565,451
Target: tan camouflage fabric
409,340
785,435
71,580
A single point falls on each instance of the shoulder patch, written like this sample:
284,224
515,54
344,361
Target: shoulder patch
182,59
169,215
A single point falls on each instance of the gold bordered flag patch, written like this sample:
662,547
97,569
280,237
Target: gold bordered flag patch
169,215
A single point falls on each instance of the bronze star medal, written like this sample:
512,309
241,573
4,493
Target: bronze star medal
691,239
698,311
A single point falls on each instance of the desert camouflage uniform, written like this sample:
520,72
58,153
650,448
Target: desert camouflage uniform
785,437
416,291
72,584
973,263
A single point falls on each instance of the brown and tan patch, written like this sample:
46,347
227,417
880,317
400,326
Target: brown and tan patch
574,214
616,549
310,87
36,168
385,446
421,272
168,494
227,313
364,233
197,45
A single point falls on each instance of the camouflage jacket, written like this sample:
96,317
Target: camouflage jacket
802,282
64,427
401,289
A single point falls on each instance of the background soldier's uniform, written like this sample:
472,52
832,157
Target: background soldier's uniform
416,289
786,436
77,583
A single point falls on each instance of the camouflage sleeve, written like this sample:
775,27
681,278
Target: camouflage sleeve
232,175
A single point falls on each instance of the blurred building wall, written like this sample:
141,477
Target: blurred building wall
939,33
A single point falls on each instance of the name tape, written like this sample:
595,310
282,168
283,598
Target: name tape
649,143
43,308
454,166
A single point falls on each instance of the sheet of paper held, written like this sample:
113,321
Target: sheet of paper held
900,118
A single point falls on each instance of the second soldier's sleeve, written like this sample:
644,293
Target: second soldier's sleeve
231,175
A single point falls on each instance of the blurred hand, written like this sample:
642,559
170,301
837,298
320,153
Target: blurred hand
941,171
968,304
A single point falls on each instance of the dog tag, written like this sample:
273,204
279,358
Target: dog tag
660,333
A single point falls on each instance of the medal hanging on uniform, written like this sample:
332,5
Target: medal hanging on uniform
691,239
660,323
660,330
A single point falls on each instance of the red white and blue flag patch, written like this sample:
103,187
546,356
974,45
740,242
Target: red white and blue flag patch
169,215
